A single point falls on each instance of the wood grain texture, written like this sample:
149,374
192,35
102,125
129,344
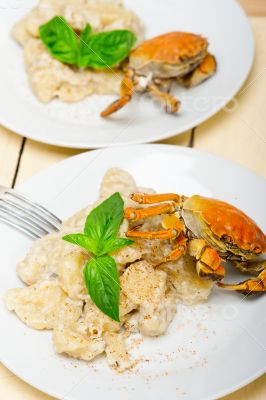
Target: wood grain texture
9,151
179,140
13,388
254,391
38,156
254,7
238,132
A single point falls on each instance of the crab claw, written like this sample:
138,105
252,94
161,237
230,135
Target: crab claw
204,71
208,260
204,271
250,286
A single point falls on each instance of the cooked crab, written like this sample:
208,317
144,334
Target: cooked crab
210,230
157,62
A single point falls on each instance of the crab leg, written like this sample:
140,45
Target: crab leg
204,71
126,93
143,198
250,286
172,224
179,250
208,260
162,235
170,103
135,214
173,227
252,267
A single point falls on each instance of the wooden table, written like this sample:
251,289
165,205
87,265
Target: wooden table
238,135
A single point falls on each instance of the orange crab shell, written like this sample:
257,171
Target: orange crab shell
172,48
227,221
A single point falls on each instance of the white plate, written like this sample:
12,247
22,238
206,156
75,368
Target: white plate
79,125
208,351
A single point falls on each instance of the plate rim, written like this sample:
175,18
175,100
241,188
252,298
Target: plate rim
230,390
184,149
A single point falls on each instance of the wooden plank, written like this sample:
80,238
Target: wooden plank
10,145
37,156
238,132
254,391
254,7
12,388
180,140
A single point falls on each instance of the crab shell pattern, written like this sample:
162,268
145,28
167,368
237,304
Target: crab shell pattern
225,227
167,56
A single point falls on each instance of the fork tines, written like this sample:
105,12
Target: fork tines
29,217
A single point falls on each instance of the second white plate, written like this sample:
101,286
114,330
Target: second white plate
79,125
208,351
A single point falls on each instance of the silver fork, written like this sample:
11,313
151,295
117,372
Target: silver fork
26,216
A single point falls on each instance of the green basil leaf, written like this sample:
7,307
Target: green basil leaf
60,39
86,33
106,49
103,222
116,244
81,240
84,38
101,278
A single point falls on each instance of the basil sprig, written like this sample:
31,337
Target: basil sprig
100,238
98,51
